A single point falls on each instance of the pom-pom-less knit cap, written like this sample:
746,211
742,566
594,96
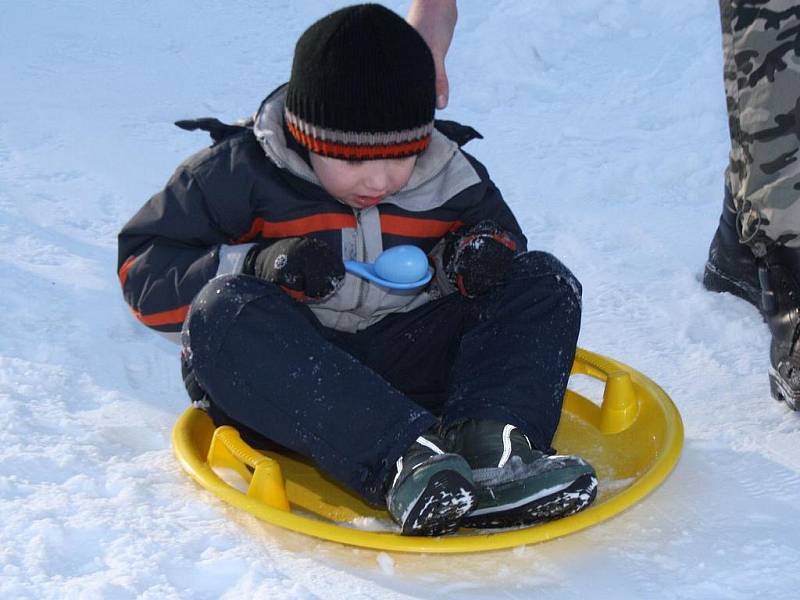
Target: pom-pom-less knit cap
362,86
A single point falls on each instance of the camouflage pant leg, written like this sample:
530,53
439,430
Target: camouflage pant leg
761,48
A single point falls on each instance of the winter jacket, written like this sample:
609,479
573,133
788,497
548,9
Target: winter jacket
250,187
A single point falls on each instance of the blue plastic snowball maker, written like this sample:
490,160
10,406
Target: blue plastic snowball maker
401,268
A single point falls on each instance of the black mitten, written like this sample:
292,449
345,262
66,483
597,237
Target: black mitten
478,258
306,268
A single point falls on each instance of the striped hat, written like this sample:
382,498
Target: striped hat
362,86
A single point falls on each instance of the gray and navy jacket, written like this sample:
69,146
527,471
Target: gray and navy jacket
251,187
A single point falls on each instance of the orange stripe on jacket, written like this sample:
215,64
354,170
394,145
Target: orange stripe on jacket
357,152
167,317
123,270
412,227
296,227
175,316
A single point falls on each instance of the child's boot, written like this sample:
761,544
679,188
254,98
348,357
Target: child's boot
431,491
518,484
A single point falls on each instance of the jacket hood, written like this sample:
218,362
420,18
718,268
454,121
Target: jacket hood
431,164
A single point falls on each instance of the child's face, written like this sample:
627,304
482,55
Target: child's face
362,184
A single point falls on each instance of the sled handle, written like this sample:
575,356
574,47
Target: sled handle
620,406
228,450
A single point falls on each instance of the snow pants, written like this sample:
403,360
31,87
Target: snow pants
761,52
355,402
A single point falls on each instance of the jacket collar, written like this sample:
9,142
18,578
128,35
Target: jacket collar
270,133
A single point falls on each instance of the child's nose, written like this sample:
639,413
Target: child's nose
377,180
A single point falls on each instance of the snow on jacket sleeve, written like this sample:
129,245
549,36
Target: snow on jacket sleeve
169,250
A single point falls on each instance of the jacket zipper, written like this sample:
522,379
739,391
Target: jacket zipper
361,254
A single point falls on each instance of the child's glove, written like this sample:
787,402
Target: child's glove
478,258
306,268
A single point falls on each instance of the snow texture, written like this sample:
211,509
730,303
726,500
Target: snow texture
605,127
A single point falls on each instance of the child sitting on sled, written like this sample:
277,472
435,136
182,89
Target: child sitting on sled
439,402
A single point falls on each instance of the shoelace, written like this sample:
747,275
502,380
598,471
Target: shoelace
507,445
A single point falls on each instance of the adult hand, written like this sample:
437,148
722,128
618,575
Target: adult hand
306,268
435,20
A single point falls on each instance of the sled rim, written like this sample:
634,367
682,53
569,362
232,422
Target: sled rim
651,403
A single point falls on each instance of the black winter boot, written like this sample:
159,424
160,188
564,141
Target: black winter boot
779,274
731,265
432,489
771,284
516,483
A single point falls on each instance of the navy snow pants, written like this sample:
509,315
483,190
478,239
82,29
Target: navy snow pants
355,402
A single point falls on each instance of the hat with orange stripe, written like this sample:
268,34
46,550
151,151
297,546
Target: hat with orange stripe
362,86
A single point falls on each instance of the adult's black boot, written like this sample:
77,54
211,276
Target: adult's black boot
731,265
779,273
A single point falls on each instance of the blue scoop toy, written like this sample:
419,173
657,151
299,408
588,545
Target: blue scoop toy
400,268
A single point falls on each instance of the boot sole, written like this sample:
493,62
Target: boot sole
562,503
782,392
715,280
440,507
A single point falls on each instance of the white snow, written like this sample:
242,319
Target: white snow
605,128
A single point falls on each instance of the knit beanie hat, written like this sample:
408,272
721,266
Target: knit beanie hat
362,86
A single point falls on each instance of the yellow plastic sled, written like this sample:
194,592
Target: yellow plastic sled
633,440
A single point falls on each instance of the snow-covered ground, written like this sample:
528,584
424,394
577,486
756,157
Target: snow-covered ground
605,128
